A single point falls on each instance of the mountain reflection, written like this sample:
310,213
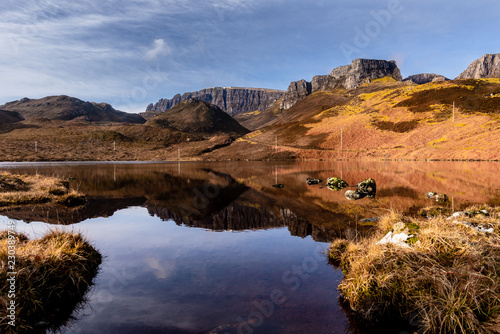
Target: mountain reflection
239,196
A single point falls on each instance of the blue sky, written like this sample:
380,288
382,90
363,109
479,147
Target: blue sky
132,53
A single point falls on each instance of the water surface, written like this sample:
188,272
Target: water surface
213,247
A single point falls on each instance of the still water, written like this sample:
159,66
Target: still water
214,248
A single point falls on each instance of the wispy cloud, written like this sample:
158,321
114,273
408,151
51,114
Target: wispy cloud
159,48
106,50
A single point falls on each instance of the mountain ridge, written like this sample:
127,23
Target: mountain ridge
66,108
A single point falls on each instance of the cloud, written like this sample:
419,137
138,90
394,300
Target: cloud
159,48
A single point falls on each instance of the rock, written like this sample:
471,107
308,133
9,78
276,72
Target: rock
348,77
488,66
367,187
336,183
311,181
395,239
431,194
441,198
297,90
424,78
479,228
400,228
279,186
354,195
232,100
370,220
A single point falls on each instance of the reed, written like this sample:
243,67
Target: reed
53,275
446,281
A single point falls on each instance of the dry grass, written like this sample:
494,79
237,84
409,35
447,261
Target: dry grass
446,281
53,275
36,189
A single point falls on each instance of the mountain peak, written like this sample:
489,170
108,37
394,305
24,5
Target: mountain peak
196,116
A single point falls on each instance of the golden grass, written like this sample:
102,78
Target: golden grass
446,281
36,189
53,275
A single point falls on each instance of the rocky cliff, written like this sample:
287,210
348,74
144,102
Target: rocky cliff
424,78
348,77
488,66
232,100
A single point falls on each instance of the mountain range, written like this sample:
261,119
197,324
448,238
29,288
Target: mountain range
383,115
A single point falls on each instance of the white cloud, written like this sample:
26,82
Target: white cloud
159,48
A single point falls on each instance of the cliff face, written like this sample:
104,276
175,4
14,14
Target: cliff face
348,77
488,66
424,78
232,100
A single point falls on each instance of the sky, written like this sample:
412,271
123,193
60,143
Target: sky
130,53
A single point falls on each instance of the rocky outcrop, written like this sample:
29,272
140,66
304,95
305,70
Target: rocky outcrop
488,66
424,78
295,92
348,77
232,100
66,108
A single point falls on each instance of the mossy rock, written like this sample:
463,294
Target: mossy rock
367,187
336,183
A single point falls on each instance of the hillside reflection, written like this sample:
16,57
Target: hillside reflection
240,196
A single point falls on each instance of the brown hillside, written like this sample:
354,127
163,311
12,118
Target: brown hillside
384,119
196,116
65,108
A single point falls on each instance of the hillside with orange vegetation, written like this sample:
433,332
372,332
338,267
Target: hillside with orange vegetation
381,119
384,119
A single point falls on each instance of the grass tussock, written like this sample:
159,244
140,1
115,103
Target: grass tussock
53,275
446,279
36,189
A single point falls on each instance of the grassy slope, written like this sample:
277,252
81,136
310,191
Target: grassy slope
381,120
446,282
385,119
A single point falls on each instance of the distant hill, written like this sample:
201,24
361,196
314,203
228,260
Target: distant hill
232,100
195,116
66,108
424,78
488,66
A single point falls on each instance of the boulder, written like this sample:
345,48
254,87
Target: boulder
354,195
311,181
336,183
367,187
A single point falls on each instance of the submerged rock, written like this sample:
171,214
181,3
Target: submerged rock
279,186
336,183
354,195
367,187
311,181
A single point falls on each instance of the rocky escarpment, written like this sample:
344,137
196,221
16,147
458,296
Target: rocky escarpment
232,100
348,77
424,78
488,66
66,108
